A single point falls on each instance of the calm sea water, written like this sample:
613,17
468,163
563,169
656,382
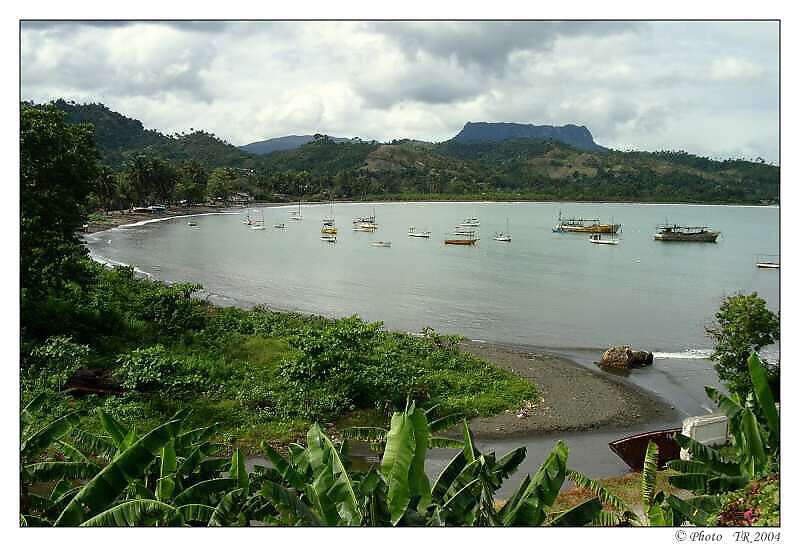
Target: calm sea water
555,291
544,289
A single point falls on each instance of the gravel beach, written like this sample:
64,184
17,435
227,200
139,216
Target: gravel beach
574,398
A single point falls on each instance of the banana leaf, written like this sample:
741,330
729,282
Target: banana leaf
133,513
284,468
49,434
104,488
764,397
290,505
580,515
238,472
396,464
206,492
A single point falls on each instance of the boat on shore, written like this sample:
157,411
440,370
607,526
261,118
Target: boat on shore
412,232
584,226
632,449
674,232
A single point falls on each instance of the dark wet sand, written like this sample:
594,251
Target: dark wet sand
574,398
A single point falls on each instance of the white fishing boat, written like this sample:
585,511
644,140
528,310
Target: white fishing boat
600,240
503,236
381,243
412,232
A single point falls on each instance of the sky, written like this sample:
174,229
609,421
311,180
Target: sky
710,88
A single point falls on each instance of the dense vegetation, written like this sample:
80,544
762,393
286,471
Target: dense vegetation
403,169
176,476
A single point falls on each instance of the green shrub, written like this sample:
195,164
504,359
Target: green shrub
150,369
50,365
758,504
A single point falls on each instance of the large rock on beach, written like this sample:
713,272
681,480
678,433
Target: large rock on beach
626,358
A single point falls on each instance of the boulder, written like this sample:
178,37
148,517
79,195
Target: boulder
625,358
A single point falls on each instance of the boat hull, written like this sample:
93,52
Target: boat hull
593,229
460,241
768,265
632,449
702,237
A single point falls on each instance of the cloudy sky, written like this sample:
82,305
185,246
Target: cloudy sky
709,88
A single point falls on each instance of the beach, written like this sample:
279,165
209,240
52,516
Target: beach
574,398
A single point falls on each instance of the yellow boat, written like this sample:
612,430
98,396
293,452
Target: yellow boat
329,230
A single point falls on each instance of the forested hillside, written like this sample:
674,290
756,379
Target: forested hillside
516,168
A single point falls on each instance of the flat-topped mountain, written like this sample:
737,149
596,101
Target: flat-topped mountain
573,135
289,142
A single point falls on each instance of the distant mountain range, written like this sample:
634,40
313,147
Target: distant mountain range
289,142
573,135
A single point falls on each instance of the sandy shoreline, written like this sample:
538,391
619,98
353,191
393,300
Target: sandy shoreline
574,398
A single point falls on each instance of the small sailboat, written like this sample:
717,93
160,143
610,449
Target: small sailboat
329,223
412,232
503,236
259,224
297,215
381,243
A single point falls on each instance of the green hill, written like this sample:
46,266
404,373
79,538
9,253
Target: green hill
521,168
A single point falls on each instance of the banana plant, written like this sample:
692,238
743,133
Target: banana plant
755,443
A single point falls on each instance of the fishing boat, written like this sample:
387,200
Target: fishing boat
600,240
365,227
366,220
584,225
673,232
328,237
412,232
769,262
632,449
503,236
381,243
470,238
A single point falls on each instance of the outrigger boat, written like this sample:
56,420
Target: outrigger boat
412,232
584,225
632,449
673,232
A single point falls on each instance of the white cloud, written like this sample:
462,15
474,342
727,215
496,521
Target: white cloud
731,68
685,85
